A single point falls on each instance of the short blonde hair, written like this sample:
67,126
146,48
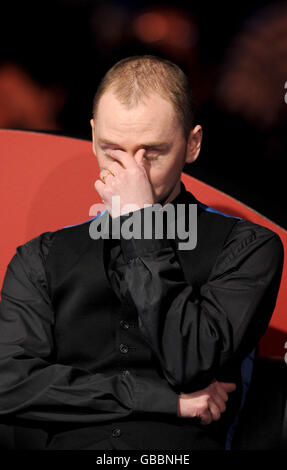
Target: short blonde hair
133,77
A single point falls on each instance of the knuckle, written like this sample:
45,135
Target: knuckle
115,168
98,185
206,421
202,408
222,408
216,417
203,405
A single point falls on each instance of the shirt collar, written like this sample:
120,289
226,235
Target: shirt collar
184,197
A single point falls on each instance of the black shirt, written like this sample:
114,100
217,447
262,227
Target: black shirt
174,341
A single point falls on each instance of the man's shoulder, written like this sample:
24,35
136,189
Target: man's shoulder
239,235
248,239
245,231
240,227
66,238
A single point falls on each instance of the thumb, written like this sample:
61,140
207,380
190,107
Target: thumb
139,157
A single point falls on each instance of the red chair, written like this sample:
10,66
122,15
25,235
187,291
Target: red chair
47,182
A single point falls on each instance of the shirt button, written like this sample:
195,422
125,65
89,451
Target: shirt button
124,324
116,432
124,348
125,373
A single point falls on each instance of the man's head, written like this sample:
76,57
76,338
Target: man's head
141,102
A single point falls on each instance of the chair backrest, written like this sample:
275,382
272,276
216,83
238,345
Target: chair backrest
47,182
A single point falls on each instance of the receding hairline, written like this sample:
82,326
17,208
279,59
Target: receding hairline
136,77
141,99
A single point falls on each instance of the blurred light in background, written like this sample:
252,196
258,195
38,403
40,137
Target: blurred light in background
24,103
175,30
255,69
109,25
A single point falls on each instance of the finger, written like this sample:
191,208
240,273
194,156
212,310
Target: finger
219,390
105,174
116,168
214,410
100,188
206,417
122,157
228,387
220,403
140,157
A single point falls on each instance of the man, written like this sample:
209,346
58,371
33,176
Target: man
132,343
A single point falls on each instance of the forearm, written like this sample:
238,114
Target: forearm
55,392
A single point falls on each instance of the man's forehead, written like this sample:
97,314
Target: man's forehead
153,106
141,125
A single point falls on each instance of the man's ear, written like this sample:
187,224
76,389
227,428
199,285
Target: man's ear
193,144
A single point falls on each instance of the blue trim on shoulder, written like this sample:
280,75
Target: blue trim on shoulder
89,220
211,209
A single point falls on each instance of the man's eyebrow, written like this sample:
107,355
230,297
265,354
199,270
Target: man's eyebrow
151,145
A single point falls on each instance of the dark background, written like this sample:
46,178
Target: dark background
54,53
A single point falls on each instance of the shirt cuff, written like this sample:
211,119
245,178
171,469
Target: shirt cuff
153,396
149,232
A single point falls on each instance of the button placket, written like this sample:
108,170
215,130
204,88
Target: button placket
126,329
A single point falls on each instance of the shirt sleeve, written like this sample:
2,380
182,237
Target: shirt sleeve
32,386
195,336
